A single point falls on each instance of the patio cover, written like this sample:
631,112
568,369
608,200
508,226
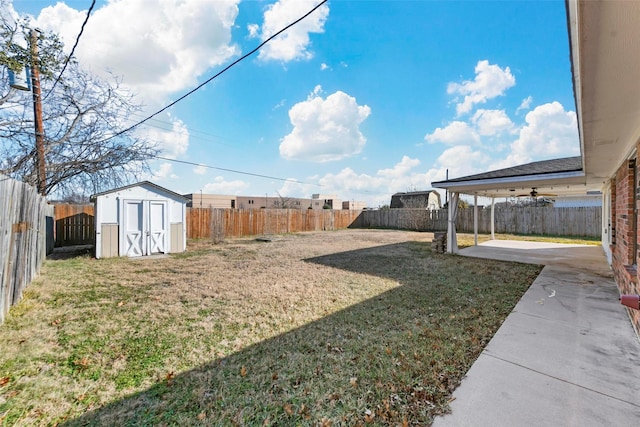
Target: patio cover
557,176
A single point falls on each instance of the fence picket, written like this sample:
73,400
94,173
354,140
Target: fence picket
23,239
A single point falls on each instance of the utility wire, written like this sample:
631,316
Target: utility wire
184,162
93,3
221,72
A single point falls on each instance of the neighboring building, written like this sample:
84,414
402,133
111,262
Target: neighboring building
353,205
265,202
318,201
416,199
289,203
139,219
199,200
331,201
590,200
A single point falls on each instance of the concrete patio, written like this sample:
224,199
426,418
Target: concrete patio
566,356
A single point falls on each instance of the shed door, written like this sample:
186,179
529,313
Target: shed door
157,241
145,227
134,228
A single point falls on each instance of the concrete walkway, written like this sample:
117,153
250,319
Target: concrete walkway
567,354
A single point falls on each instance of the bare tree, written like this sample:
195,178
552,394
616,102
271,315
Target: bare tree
83,116
284,202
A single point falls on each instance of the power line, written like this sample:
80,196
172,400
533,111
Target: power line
72,49
236,171
168,126
221,72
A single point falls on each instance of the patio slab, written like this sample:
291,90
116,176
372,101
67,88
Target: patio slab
567,354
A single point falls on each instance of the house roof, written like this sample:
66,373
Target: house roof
568,164
141,184
556,176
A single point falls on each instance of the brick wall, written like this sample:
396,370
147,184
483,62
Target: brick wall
624,219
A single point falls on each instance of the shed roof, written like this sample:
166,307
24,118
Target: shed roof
415,193
142,184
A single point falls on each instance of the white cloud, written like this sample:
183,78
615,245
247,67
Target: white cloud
294,43
165,171
512,159
462,161
158,46
400,169
220,186
254,30
375,189
525,104
172,143
200,170
492,122
291,188
490,81
323,66
325,129
550,132
455,133
279,104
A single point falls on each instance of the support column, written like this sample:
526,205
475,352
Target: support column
452,214
493,218
475,219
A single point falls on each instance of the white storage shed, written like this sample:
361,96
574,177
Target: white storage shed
139,219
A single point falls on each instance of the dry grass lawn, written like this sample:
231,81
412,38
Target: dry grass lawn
339,328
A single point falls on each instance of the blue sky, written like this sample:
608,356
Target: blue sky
362,99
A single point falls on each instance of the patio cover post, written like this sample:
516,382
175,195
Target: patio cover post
452,240
493,218
475,219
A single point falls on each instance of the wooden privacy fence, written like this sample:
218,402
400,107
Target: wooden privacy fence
74,225
578,222
220,223
403,219
24,219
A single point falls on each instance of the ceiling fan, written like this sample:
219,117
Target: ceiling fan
534,193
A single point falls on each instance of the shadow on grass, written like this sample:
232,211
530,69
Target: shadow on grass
392,359
68,252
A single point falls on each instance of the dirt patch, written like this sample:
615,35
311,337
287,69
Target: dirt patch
335,328
68,252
